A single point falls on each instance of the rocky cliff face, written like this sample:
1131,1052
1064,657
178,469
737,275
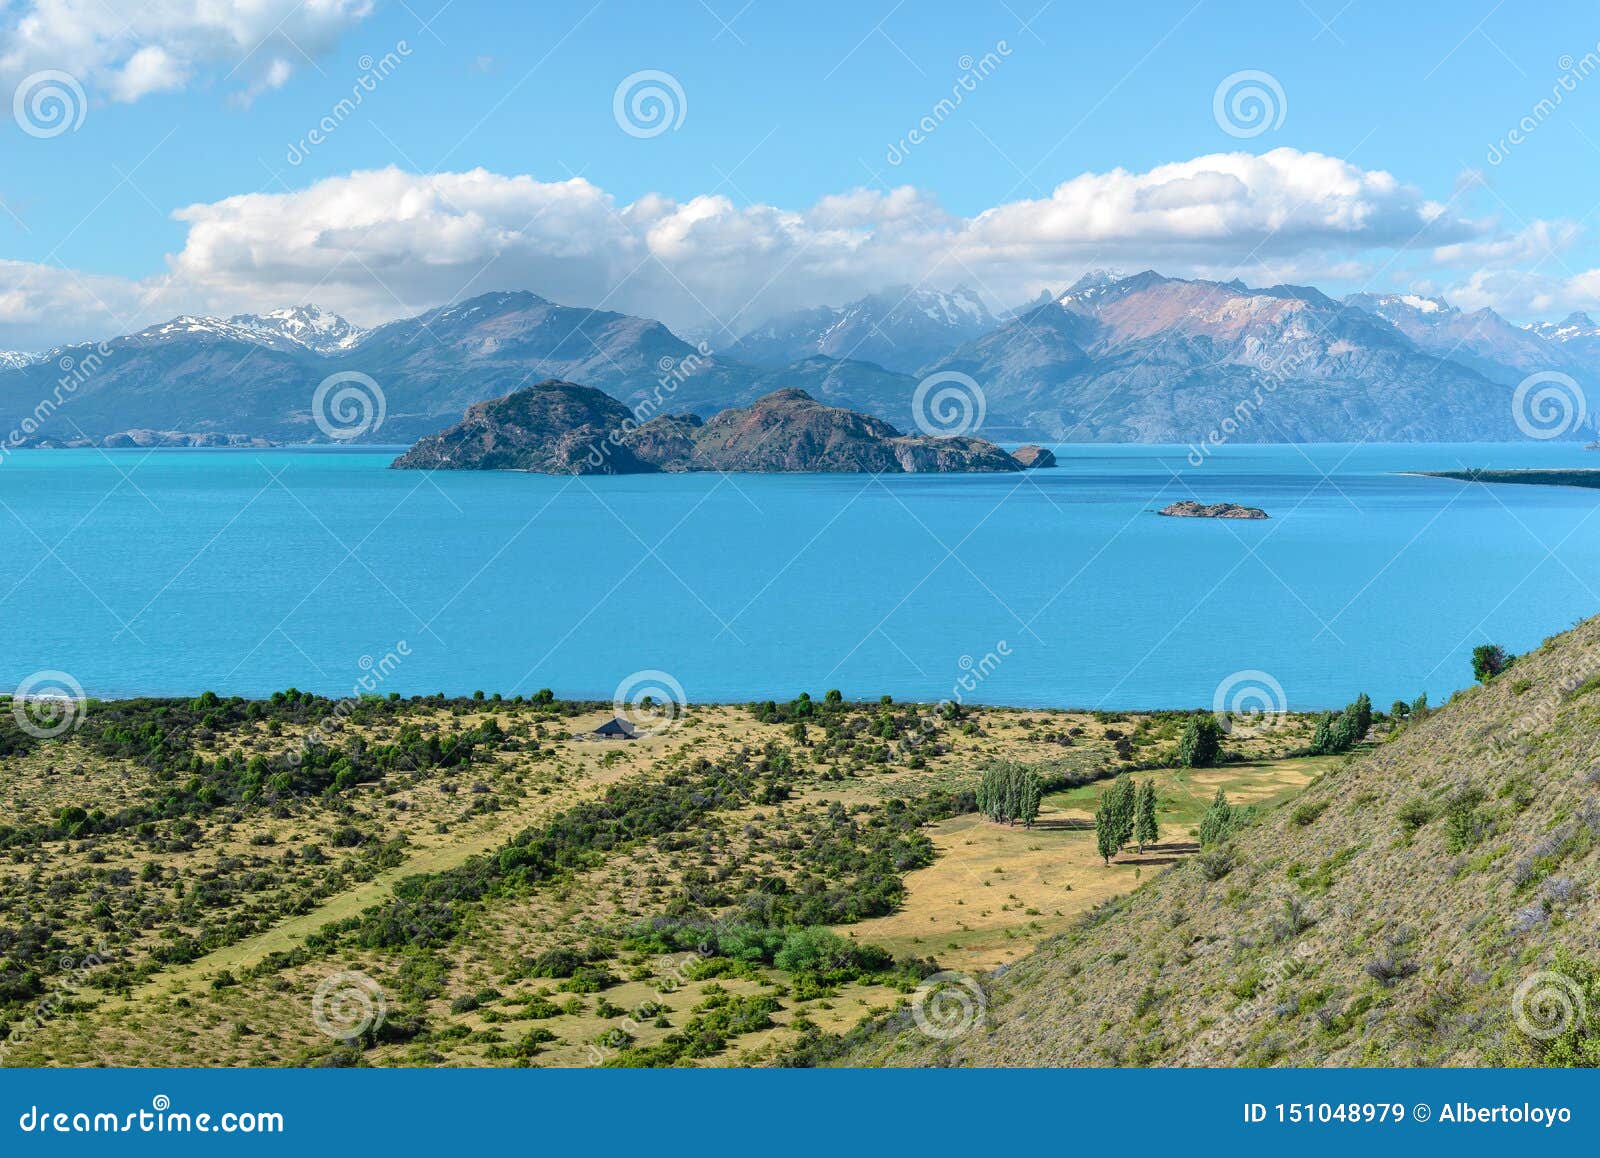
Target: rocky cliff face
559,428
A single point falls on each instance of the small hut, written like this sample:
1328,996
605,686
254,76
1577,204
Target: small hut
615,729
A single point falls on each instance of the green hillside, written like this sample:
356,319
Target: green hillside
1430,902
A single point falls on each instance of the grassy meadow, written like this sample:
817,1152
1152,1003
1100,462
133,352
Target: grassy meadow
465,882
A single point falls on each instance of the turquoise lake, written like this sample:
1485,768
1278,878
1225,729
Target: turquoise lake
170,572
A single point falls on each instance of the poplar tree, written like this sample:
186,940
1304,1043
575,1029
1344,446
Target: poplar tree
1008,793
1146,830
1218,822
1363,712
1105,823
1322,738
1122,801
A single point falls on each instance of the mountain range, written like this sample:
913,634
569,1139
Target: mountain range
1141,358
900,329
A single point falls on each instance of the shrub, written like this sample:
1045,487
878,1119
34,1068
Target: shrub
1306,814
1465,823
1216,863
1488,661
1414,814
1201,743
1389,967
1558,1026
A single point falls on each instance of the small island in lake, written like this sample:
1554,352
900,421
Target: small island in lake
558,427
1034,457
1189,509
1543,478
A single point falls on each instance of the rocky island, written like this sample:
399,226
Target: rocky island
1034,457
558,427
1189,509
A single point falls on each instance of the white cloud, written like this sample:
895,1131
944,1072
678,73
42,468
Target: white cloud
151,69
44,305
128,49
386,243
1534,244
1525,294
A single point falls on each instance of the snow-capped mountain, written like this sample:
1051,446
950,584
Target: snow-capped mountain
1572,327
1481,339
290,330
311,327
1092,286
900,329
1577,334
16,359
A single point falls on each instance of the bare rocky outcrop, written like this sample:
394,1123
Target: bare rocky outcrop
1189,509
561,428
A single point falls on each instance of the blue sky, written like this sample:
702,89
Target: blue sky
785,109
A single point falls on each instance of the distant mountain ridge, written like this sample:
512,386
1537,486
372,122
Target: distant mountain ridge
1149,358
1115,358
1481,339
899,328
1577,333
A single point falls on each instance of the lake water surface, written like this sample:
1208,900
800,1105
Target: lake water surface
169,572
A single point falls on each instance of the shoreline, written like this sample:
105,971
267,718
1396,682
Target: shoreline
586,704
1574,478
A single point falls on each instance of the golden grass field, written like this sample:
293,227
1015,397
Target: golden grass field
991,893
